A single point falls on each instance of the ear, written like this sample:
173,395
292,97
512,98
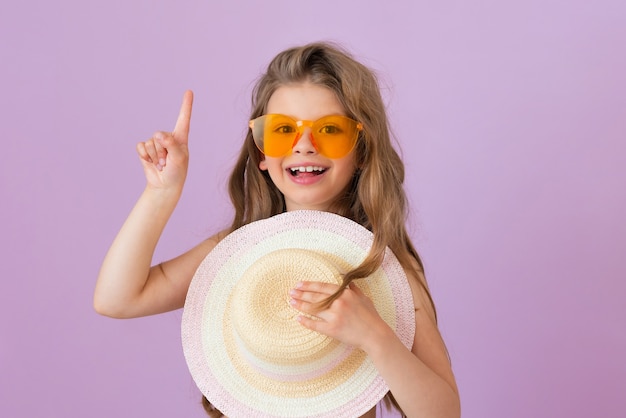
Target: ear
263,165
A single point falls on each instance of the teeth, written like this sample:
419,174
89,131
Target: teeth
308,169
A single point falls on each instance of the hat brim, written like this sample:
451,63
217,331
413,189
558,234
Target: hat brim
340,382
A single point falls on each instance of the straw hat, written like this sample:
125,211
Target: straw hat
245,350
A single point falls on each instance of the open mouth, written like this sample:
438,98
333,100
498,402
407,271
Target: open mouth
308,171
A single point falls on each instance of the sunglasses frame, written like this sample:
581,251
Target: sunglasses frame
301,124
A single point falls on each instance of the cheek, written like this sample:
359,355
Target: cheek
271,165
349,165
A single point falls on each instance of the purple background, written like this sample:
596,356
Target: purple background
512,121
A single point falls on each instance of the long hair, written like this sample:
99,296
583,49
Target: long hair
375,198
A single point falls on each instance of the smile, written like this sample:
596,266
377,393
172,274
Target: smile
307,171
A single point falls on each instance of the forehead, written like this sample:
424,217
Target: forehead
304,101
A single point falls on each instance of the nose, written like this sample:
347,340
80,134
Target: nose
304,143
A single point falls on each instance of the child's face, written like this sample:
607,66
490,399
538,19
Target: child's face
322,179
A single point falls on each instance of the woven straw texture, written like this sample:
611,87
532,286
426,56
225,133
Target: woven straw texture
244,348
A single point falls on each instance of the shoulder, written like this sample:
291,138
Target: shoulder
201,250
422,299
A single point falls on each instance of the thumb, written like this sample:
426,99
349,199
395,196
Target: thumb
181,130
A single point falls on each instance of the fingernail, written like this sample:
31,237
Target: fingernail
298,285
162,162
159,167
158,136
292,301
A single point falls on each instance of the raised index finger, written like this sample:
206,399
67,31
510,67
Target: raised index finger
181,130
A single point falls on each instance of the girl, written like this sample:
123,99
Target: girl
361,179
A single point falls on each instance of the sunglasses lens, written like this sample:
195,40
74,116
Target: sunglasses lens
333,136
274,134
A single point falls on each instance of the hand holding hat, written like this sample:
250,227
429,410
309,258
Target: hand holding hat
349,319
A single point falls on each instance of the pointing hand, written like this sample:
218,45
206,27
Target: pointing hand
165,156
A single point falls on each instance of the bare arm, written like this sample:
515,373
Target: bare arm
127,286
420,379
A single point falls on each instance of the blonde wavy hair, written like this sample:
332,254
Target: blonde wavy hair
375,198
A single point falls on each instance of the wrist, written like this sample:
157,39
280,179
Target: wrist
162,196
378,339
